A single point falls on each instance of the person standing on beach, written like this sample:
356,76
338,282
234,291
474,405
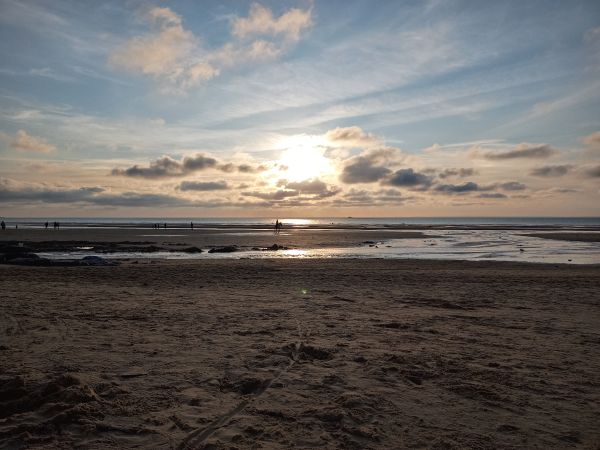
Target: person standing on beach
192,225
46,225
165,225
3,225
276,226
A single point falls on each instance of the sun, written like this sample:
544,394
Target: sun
303,159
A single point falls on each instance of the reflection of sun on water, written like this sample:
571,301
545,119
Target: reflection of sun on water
298,221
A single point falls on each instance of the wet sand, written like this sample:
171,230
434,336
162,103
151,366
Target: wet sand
173,238
568,236
300,354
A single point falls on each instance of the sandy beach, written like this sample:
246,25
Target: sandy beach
300,354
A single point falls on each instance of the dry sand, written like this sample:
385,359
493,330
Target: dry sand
300,354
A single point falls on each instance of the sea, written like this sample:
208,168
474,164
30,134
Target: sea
144,222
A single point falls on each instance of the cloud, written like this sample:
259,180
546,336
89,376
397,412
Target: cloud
492,195
362,170
592,172
314,187
370,166
14,192
460,172
551,171
203,186
174,55
523,150
167,52
512,186
277,195
351,137
408,178
28,143
469,186
242,168
260,21
167,167
592,140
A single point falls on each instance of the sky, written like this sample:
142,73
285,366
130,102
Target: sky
299,108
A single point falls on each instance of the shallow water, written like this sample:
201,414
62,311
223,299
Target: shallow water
472,245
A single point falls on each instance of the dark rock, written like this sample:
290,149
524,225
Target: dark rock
95,261
191,250
225,249
276,247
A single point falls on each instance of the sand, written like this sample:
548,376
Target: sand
568,236
300,354
176,239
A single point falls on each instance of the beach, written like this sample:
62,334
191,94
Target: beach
287,353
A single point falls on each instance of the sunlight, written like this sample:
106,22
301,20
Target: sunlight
305,162
304,159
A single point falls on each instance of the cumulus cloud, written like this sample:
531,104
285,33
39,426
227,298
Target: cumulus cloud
315,187
167,52
593,172
363,170
523,150
27,143
408,178
551,171
167,167
370,166
351,137
512,186
174,55
260,21
203,186
460,172
469,186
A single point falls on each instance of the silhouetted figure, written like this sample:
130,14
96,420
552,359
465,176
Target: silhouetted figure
280,225
276,226
16,226
46,225
165,225
3,225
192,225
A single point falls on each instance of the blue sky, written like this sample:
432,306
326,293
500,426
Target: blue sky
90,89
